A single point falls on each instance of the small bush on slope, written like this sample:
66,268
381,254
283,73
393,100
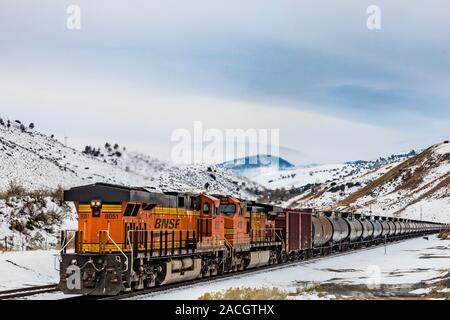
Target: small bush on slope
14,189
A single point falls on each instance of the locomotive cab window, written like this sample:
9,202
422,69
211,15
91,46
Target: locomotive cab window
128,210
132,209
193,205
180,202
206,208
228,209
136,210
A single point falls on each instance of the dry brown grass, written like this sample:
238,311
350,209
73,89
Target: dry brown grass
443,184
245,293
15,189
444,235
392,174
411,180
310,196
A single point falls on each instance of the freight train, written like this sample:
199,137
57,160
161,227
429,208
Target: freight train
135,238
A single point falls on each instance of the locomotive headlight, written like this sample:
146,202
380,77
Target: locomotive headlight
96,204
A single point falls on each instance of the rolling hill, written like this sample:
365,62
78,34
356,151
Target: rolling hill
418,187
34,167
37,161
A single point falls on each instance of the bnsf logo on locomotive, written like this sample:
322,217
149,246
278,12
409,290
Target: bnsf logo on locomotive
167,223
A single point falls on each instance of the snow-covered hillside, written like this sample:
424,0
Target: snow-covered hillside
418,187
37,161
34,166
274,178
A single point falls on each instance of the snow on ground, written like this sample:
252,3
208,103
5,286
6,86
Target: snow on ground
20,269
406,263
443,148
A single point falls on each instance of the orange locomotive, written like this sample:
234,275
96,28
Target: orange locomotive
135,238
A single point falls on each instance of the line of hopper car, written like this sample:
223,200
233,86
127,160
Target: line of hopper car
136,238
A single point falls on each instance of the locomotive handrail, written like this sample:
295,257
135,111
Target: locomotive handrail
273,233
67,243
228,244
144,230
131,251
279,237
58,255
126,258
156,231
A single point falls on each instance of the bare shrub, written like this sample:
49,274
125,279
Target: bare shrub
57,193
15,189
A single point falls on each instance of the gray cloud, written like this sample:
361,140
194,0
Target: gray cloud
151,62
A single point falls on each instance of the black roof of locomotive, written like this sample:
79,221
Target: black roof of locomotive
113,193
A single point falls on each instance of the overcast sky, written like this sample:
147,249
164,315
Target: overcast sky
138,70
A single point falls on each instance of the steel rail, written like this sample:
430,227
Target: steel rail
28,291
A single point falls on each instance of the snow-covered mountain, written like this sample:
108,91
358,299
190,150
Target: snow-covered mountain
418,187
298,177
36,161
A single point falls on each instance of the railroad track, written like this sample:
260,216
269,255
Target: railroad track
29,291
239,274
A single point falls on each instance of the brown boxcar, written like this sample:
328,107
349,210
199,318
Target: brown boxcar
295,228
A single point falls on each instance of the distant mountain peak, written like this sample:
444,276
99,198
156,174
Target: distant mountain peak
256,162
